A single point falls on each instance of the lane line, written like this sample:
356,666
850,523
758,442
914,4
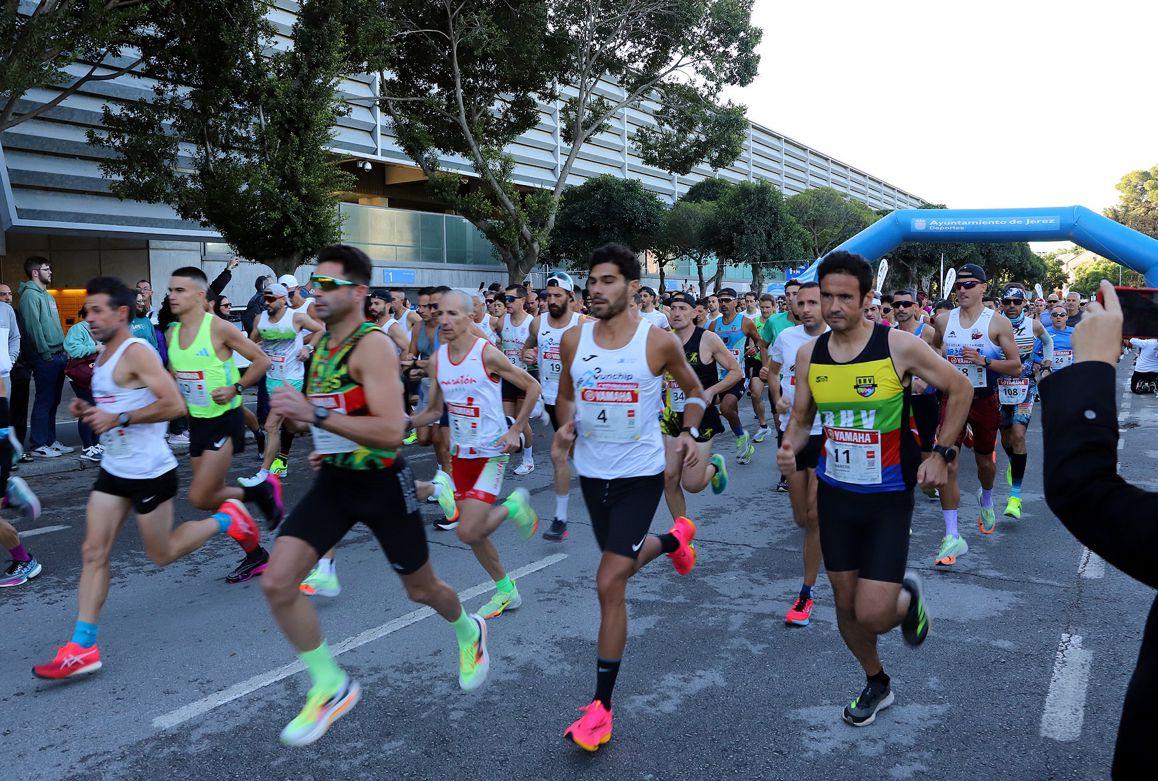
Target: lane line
1065,705
41,530
1091,565
239,690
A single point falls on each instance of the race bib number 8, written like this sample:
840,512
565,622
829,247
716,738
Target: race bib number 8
974,373
610,412
852,455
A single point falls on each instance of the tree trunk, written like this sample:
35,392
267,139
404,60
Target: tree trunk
662,277
718,277
702,290
757,278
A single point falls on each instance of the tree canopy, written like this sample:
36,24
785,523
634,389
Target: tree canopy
1089,275
1137,206
754,226
606,208
828,217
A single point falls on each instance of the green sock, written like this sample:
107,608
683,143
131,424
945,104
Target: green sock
326,675
506,585
465,629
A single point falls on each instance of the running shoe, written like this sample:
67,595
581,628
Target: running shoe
525,468
742,443
593,728
986,517
22,498
181,439
720,478
524,516
930,492
447,524
782,486
474,662
915,626
279,467
270,503
20,572
92,453
862,711
801,612
321,711
952,546
257,478
242,527
62,448
500,603
320,584
1013,507
446,498
557,532
44,451
411,437
683,557
761,434
254,563
746,458
71,660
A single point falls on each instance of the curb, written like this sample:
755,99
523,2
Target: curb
41,467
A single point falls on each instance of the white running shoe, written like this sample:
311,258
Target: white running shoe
761,434
62,448
178,439
44,451
256,479
525,468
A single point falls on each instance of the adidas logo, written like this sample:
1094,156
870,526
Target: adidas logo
203,353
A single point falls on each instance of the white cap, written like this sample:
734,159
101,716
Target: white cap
277,290
289,280
561,279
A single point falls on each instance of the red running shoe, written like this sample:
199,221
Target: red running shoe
71,660
593,729
242,526
683,557
801,612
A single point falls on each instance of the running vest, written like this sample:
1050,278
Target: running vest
674,398
864,407
385,328
976,336
1063,349
330,385
199,371
550,361
283,344
733,336
474,403
513,338
139,451
1015,390
617,406
929,389
427,345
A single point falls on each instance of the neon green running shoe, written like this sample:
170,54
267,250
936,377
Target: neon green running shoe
1009,474
501,602
473,660
720,478
279,467
319,584
446,498
321,710
519,510
952,546
411,437
1013,507
742,443
986,518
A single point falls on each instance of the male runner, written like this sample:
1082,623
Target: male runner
713,307
1017,394
355,410
773,327
925,403
648,311
298,298
23,566
857,379
468,372
400,308
733,329
610,393
801,479
975,342
1062,335
201,349
381,313
754,362
513,329
703,351
135,397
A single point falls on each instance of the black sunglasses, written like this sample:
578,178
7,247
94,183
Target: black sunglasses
725,300
904,304
1057,314
967,285
1008,301
512,299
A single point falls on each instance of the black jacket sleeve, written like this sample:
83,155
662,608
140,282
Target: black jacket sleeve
220,282
1114,519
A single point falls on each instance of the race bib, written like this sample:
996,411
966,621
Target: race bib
192,385
465,425
515,356
1062,359
327,442
610,412
974,373
118,442
277,367
676,394
1012,390
852,455
551,364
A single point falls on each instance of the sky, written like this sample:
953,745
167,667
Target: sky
977,104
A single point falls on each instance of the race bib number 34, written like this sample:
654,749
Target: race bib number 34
852,455
610,412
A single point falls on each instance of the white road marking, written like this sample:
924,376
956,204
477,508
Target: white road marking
237,691
41,530
1065,705
1091,565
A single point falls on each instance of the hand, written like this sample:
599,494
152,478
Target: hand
786,459
1098,335
291,403
510,440
764,373
77,407
919,386
232,264
970,354
530,356
688,448
564,438
99,420
316,460
223,395
933,472
305,353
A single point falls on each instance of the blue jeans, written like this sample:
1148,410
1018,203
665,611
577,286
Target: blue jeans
48,374
87,437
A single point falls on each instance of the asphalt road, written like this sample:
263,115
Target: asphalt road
1032,644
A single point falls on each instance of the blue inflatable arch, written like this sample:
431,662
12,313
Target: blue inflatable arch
1078,224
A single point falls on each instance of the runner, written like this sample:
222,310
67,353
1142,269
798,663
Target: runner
1018,393
974,342
703,351
1061,334
468,372
135,397
754,361
733,329
773,327
857,380
544,340
381,313
610,393
513,329
926,403
296,296
423,346
802,478
23,566
648,311
355,411
201,349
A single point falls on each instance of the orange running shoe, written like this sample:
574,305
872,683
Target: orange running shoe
593,728
71,660
242,527
801,612
683,557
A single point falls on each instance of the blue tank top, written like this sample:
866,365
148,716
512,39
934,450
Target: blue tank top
929,389
427,345
1063,348
733,338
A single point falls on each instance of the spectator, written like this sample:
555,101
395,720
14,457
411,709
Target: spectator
21,378
141,325
9,338
1109,516
46,342
1073,308
255,306
82,353
145,288
223,307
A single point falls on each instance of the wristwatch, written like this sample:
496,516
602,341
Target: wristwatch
988,361
123,419
695,432
237,386
947,453
321,415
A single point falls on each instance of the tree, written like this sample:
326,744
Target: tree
754,226
1138,202
605,209
828,217
38,43
689,234
253,122
465,78
1056,276
1090,274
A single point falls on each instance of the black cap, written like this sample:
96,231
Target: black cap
726,291
680,297
972,271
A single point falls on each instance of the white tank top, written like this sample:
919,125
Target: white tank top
976,336
617,405
385,328
474,403
513,338
283,344
139,451
550,361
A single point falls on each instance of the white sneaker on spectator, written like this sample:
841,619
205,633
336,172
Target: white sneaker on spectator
178,439
44,451
92,453
60,447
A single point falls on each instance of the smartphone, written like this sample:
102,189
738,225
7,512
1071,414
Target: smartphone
1139,311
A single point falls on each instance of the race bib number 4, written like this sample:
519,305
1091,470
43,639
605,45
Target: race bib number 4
610,412
192,385
327,442
974,373
1012,390
852,455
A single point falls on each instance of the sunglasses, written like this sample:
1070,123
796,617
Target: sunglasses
725,300
1008,301
512,299
329,284
1057,314
967,285
886,310
266,299
904,304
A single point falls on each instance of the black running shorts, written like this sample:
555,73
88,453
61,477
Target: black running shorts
672,423
213,433
621,511
809,457
866,532
383,499
926,411
553,415
512,392
146,494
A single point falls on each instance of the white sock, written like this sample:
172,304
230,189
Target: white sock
436,490
527,457
326,566
561,506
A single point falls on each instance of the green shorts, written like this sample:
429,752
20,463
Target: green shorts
271,384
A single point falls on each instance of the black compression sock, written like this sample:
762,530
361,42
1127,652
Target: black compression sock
668,543
287,441
881,678
1017,466
605,675
1008,451
255,493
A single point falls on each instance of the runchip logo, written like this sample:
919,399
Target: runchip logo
865,386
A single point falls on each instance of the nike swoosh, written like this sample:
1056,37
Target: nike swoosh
148,499
221,442
635,548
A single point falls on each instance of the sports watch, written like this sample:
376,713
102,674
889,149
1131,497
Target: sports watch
123,419
695,432
947,453
321,415
237,386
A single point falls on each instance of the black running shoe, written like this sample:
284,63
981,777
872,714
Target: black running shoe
862,711
251,566
782,486
557,532
915,626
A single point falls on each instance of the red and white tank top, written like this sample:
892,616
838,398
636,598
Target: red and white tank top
474,403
